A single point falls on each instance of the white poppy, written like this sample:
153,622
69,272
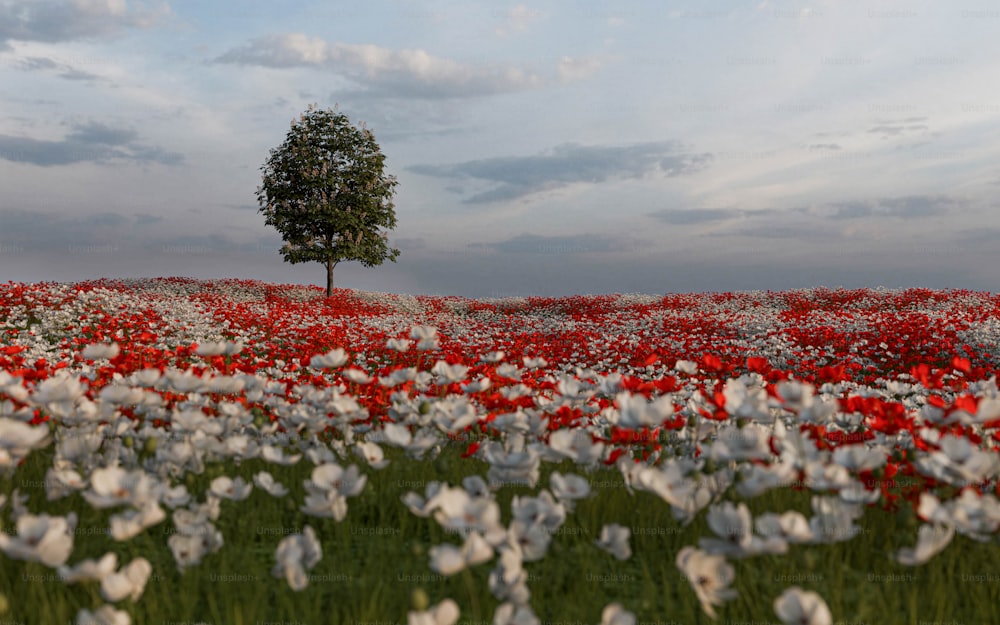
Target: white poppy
372,454
295,555
444,613
276,456
331,360
105,615
616,614
89,569
40,538
129,582
531,538
448,559
710,576
114,486
931,540
265,481
131,523
510,613
802,607
614,539
98,351
226,487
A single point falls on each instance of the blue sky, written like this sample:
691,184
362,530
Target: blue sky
542,148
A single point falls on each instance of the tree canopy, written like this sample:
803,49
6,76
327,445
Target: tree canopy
326,191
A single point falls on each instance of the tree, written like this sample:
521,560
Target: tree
325,190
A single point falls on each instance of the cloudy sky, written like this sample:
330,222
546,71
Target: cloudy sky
542,148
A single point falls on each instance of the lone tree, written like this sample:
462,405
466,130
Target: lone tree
325,190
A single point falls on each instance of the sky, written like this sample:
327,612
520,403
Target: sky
544,148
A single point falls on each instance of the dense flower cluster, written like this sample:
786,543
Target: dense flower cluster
137,383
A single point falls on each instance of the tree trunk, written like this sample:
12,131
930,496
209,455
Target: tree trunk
329,276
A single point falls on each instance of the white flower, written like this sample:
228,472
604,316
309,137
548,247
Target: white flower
508,581
542,509
449,373
509,371
265,481
790,526
89,570
569,488
114,486
399,345
176,496
476,486
686,366
415,446
614,540
423,506
531,538
444,613
746,443
276,456
577,445
931,539
616,614
455,510
634,411
859,458
129,582
189,549
798,607
448,559
105,615
426,336
332,477
225,487
515,614
325,504
62,482
372,454
17,439
41,538
356,375
121,395
222,348
710,575
296,554
131,523
834,519
97,351
331,360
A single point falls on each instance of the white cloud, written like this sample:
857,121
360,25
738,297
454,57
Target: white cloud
61,20
414,72
518,18
570,69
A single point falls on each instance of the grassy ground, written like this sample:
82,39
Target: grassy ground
377,557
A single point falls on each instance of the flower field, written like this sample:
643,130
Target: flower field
179,451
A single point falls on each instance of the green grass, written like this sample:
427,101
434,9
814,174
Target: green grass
375,559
